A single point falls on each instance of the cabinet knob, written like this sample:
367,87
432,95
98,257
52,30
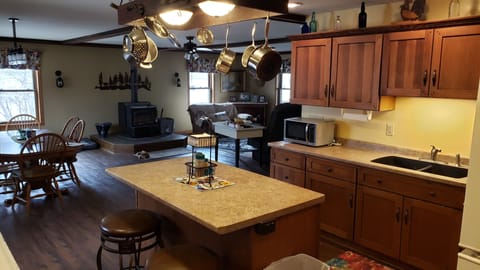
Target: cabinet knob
434,77
425,76
287,159
326,91
329,170
405,216
379,181
332,91
286,177
432,193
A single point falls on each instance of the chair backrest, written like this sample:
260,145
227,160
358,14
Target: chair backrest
77,131
22,121
68,126
46,149
275,124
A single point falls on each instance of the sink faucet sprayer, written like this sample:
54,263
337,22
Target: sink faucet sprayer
434,152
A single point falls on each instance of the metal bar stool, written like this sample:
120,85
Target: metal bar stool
183,257
129,232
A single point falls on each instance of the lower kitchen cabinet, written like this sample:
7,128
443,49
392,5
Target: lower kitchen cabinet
420,233
337,212
287,166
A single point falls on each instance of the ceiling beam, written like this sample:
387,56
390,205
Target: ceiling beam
102,35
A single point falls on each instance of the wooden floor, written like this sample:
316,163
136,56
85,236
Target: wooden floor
67,237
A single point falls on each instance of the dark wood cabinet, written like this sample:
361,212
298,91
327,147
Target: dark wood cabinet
441,63
406,222
287,166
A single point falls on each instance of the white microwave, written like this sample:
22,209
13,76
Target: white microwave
309,131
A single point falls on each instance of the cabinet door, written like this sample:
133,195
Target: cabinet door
337,212
406,63
430,235
311,71
455,62
287,174
378,220
355,79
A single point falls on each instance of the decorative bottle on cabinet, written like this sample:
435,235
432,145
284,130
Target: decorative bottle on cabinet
338,23
362,17
313,23
454,9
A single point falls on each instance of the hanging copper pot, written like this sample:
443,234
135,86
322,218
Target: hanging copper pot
226,57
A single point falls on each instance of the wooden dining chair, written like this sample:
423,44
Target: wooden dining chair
21,121
68,171
69,125
38,163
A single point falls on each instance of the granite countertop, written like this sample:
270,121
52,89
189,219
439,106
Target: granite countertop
253,198
363,157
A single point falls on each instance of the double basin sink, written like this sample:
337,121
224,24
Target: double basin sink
423,166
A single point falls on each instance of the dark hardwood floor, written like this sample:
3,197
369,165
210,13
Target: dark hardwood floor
66,236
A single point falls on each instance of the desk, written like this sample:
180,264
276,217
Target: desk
231,221
237,133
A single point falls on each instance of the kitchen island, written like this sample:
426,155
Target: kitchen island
249,224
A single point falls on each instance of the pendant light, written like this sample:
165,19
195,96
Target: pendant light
16,56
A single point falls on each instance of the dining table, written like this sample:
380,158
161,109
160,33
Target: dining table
11,147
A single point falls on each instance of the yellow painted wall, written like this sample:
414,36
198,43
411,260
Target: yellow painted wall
418,122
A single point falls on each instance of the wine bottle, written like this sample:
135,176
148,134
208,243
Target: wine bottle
362,17
313,23
454,9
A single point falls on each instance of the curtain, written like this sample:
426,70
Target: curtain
202,65
33,60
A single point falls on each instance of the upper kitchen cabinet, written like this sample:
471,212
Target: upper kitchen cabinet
441,63
341,72
311,71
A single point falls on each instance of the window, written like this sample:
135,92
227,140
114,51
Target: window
19,93
283,87
200,88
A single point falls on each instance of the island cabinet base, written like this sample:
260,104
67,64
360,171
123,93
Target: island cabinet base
245,248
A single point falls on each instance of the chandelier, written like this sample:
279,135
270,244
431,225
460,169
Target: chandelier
16,55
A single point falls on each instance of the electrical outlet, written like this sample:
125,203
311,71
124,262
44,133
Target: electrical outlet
389,129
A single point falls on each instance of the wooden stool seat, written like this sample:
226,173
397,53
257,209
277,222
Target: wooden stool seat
183,257
129,232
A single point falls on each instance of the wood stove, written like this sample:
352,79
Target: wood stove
138,119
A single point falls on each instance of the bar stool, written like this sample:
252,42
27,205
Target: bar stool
183,257
129,232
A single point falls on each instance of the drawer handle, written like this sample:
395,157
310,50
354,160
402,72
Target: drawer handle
397,214
432,193
434,77
350,201
286,178
326,91
425,75
329,170
379,181
287,159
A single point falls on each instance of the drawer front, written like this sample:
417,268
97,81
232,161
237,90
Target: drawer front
332,169
287,174
288,158
417,188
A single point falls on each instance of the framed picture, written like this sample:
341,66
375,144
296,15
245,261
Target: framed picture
233,81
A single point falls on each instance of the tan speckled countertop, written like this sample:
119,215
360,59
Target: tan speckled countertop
253,198
363,157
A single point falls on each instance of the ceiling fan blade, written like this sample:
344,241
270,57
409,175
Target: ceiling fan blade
102,35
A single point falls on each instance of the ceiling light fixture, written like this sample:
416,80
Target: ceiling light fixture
191,53
134,12
16,56
176,17
294,4
216,8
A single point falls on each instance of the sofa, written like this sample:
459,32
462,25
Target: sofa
202,115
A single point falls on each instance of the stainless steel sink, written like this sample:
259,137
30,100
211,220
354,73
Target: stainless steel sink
423,166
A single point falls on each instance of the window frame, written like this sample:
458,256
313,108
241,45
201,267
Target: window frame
210,76
279,87
38,96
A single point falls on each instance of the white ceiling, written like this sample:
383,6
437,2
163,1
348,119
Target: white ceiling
60,20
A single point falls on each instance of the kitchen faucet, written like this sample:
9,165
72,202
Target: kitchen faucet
434,152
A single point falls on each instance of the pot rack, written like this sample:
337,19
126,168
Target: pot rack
134,12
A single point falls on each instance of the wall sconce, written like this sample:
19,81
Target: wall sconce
177,79
59,80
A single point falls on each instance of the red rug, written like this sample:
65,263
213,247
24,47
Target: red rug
353,261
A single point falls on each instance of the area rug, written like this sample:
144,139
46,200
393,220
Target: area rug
353,261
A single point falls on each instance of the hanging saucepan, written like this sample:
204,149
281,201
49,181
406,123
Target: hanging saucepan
264,62
249,49
226,57
158,28
136,44
205,36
